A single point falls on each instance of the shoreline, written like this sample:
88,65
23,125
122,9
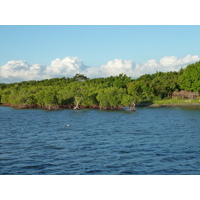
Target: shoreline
154,105
56,107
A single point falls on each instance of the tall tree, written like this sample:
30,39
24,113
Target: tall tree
190,77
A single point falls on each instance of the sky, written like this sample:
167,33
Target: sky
35,52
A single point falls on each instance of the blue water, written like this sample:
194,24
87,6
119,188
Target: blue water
148,141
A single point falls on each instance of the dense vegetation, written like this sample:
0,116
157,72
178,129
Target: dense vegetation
111,92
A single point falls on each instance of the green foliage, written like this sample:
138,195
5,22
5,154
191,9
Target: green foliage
190,78
164,84
5,96
50,98
128,100
80,77
121,81
111,96
112,91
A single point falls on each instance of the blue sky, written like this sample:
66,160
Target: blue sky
97,45
103,49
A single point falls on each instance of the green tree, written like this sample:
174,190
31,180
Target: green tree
190,77
164,84
5,96
121,81
128,100
79,77
110,97
50,98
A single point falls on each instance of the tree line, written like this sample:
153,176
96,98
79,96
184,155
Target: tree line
110,92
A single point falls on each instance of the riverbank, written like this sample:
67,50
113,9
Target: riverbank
174,105
169,103
61,107
142,104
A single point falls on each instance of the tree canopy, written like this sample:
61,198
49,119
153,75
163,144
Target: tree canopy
113,91
190,78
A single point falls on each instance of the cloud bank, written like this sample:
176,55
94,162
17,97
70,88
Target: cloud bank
20,70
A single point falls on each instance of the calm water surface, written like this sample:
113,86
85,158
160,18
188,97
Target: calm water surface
148,141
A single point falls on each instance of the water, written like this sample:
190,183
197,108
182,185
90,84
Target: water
148,141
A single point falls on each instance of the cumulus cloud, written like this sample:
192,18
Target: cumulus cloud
68,66
15,71
112,68
20,70
117,66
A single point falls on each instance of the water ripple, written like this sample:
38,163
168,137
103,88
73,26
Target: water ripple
148,141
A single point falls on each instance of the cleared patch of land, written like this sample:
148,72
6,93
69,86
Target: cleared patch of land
169,103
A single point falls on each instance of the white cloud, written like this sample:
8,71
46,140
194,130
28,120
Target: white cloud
112,68
20,70
15,71
68,66
117,66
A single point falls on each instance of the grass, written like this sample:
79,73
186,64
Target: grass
172,101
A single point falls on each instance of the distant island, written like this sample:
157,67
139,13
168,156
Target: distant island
114,92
